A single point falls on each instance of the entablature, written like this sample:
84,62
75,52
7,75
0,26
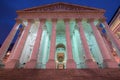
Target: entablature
59,15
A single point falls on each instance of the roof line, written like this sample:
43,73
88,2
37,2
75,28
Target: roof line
114,16
62,3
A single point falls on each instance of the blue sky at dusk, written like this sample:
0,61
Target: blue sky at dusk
8,10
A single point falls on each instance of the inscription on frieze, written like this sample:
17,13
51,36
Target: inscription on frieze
59,7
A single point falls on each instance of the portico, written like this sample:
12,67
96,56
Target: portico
59,36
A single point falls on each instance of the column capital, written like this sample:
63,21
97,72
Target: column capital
66,19
102,19
42,23
54,20
78,20
18,21
90,20
30,20
42,20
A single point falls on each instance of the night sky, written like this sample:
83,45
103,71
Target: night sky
8,10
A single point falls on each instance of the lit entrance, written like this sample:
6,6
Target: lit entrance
60,56
60,59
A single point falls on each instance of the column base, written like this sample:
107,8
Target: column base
107,63
82,65
13,63
51,64
1,64
90,64
71,64
43,66
38,65
31,64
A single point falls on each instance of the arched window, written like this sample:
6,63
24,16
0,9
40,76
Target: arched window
61,46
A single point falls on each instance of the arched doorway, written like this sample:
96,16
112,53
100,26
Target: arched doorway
60,57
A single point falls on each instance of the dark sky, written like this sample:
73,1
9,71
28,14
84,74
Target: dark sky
8,10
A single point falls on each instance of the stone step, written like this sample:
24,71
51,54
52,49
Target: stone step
54,74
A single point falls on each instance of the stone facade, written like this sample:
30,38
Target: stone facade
61,36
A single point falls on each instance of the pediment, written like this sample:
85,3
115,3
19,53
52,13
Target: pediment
61,7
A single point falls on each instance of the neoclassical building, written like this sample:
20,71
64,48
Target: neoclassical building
61,36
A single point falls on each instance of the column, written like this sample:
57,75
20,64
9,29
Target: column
16,42
88,59
8,40
107,61
109,46
14,61
44,59
33,61
70,62
76,54
110,34
51,62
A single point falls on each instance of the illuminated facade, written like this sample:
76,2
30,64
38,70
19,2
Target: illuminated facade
115,27
60,36
115,24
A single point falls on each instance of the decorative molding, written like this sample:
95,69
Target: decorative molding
60,11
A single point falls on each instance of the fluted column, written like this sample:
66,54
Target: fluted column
88,58
51,62
9,39
70,62
14,60
33,60
107,61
